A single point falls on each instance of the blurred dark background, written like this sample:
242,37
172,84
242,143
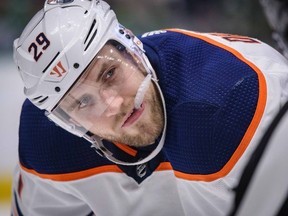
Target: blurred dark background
243,17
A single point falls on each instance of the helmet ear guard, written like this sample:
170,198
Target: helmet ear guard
59,43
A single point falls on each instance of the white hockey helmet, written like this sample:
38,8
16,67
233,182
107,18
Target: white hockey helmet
59,43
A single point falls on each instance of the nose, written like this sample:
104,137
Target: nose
113,102
114,107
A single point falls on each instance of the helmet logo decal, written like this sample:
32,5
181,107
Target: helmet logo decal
58,70
42,43
153,33
52,2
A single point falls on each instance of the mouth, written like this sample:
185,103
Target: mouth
133,116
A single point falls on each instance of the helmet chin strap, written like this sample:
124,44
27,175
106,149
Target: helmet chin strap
103,151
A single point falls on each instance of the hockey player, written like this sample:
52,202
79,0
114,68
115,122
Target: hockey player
173,115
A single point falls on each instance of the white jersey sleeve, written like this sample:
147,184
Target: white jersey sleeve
42,197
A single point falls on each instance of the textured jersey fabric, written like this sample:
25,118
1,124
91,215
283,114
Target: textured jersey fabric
211,98
221,92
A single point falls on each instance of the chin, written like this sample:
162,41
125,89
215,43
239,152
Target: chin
137,140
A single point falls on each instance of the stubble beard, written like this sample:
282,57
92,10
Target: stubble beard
147,131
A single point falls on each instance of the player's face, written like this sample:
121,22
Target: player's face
102,101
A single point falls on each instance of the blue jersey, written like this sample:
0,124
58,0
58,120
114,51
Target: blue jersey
219,99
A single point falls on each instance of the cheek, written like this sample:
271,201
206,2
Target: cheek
133,82
101,126
129,88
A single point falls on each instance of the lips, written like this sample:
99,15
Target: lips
133,116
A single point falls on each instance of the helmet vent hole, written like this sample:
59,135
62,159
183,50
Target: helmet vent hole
36,98
91,35
50,62
43,100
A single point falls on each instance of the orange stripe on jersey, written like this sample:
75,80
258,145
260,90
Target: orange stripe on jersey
75,175
253,125
126,149
164,166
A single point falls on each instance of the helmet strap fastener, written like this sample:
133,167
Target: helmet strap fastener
76,65
57,89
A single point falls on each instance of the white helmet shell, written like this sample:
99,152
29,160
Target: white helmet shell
59,43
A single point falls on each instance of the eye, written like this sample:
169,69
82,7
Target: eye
109,74
84,101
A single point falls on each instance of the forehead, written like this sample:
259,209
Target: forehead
108,52
108,55
108,49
